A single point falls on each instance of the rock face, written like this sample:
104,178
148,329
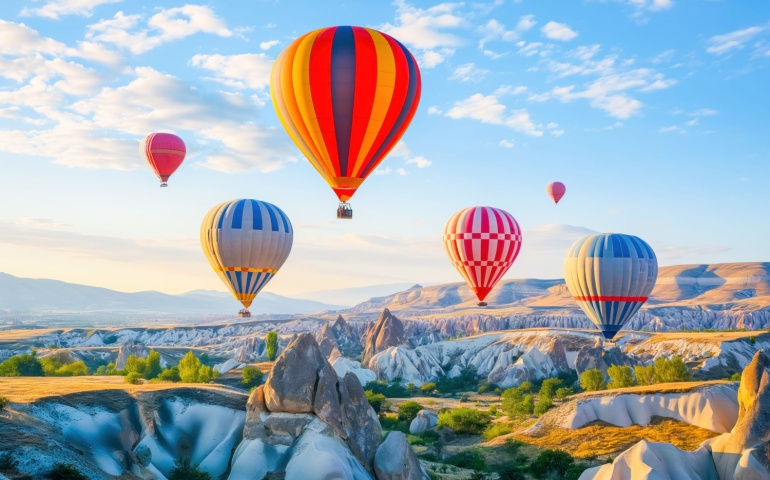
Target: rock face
308,419
387,331
395,460
547,359
126,350
326,341
425,420
597,356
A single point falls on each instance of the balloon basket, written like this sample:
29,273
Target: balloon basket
344,211
163,184
244,314
482,304
608,345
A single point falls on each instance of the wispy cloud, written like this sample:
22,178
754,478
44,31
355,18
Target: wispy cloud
737,40
56,9
468,72
488,109
249,70
558,31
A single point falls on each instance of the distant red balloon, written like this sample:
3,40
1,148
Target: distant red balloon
556,190
164,152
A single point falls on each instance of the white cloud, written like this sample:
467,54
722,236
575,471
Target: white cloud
401,150
382,171
247,70
426,30
57,8
420,161
401,171
468,72
432,110
163,27
269,44
728,42
671,129
558,31
505,143
526,23
487,109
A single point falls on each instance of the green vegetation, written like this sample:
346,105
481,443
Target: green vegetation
551,464
26,365
752,339
184,469
549,386
134,378
170,375
390,390
108,369
251,377
592,380
466,380
271,345
465,420
64,471
671,370
487,387
428,387
620,376
517,402
497,429
191,370
52,367
645,375
564,392
408,410
376,400
472,459
3,403
736,377
544,403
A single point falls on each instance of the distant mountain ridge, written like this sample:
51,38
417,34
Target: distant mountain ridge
31,296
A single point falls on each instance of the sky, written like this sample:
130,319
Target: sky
652,112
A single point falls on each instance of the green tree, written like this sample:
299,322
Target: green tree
271,345
153,365
620,376
516,403
135,364
428,387
645,374
549,386
251,376
408,410
184,469
551,462
26,365
64,471
592,380
544,403
465,420
472,459
376,400
191,370
170,375
671,370
134,378
564,392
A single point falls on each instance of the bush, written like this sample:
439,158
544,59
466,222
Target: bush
487,387
575,471
153,368
3,403
271,345
620,376
64,471
512,472
592,380
752,339
472,459
52,367
191,370
465,420
408,410
375,400
736,377
551,462
170,375
466,380
134,378
496,430
671,370
251,377
549,386
428,387
26,365
184,469
517,402
544,403
394,390
645,375
415,440
564,392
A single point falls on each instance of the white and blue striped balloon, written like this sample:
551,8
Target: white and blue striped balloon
246,242
610,276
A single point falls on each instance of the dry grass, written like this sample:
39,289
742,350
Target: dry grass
29,389
677,387
601,439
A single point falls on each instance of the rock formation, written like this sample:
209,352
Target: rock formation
126,350
326,340
387,331
597,356
395,460
425,420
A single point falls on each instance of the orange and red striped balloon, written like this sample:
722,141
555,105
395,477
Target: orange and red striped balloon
482,243
345,96
164,152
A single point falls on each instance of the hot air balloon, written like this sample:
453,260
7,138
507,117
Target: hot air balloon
556,190
164,152
482,243
246,242
345,96
610,276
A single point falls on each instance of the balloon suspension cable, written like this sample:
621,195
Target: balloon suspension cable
345,211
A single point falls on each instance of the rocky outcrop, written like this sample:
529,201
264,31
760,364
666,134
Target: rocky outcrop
425,420
343,365
597,356
326,341
395,460
126,350
547,359
386,332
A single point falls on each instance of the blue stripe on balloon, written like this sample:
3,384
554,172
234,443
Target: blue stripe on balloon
221,219
343,73
239,281
284,219
238,214
273,220
256,215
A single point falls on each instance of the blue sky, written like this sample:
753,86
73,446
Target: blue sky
652,112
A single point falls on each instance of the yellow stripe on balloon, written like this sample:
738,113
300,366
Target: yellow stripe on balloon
210,240
245,269
301,77
386,83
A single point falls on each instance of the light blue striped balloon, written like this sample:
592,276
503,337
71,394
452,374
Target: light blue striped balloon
610,276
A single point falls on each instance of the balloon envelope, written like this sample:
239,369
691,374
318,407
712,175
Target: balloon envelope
164,152
610,276
556,190
482,243
345,96
246,242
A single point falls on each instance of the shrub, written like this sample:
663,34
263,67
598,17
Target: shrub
544,403
271,345
52,367
184,469
153,367
394,390
408,410
170,375
512,472
191,370
428,387
645,375
752,339
549,386
466,380
3,403
670,370
415,440
493,410
497,429
551,462
487,387
736,377
134,378
564,392
471,458
574,471
620,376
251,376
517,401
592,380
375,400
26,365
64,471
465,420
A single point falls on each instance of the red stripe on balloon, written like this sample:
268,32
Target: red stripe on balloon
366,86
321,92
600,298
